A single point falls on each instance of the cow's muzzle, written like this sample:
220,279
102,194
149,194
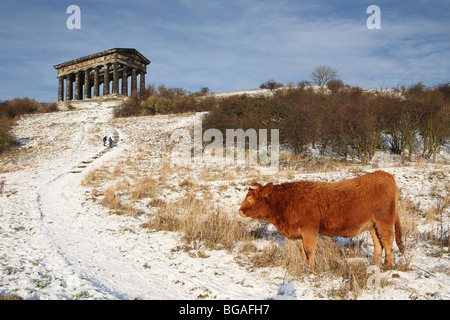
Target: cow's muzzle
241,213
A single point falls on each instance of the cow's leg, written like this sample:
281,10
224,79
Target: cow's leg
302,249
309,243
386,234
376,259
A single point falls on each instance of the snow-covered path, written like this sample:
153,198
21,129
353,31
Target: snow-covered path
39,215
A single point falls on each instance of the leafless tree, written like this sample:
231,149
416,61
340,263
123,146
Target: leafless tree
321,75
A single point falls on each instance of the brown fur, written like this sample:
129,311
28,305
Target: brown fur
302,210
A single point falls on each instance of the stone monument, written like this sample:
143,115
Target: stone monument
91,76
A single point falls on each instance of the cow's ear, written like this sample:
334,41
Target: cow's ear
267,190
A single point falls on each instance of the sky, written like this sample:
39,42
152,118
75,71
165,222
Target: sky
228,45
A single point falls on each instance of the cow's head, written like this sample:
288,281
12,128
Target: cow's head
256,203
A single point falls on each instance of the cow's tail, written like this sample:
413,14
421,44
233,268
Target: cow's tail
398,227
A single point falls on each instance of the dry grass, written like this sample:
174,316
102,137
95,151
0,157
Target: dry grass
411,214
111,199
439,235
339,261
436,212
144,188
165,170
330,258
307,162
94,178
156,203
10,297
200,222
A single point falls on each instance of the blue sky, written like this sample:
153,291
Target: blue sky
228,45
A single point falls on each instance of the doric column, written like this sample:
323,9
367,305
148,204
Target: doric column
142,84
87,86
116,78
106,80
78,86
69,95
125,80
61,89
96,81
133,80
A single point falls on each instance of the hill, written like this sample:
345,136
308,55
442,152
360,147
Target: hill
80,220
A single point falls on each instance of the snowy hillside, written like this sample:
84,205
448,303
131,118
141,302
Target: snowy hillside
60,237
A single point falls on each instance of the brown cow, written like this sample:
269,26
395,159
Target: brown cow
301,210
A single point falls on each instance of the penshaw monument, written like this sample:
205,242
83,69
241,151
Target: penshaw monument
91,76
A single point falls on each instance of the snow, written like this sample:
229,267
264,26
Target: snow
58,242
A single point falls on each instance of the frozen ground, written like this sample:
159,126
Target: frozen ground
58,242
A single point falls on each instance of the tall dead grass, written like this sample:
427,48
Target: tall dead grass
340,261
144,188
111,199
411,214
440,233
200,222
330,257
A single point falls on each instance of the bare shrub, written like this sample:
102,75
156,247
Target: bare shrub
161,100
350,121
271,85
49,107
6,138
17,107
432,116
302,125
335,85
12,110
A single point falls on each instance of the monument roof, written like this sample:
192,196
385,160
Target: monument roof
129,51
